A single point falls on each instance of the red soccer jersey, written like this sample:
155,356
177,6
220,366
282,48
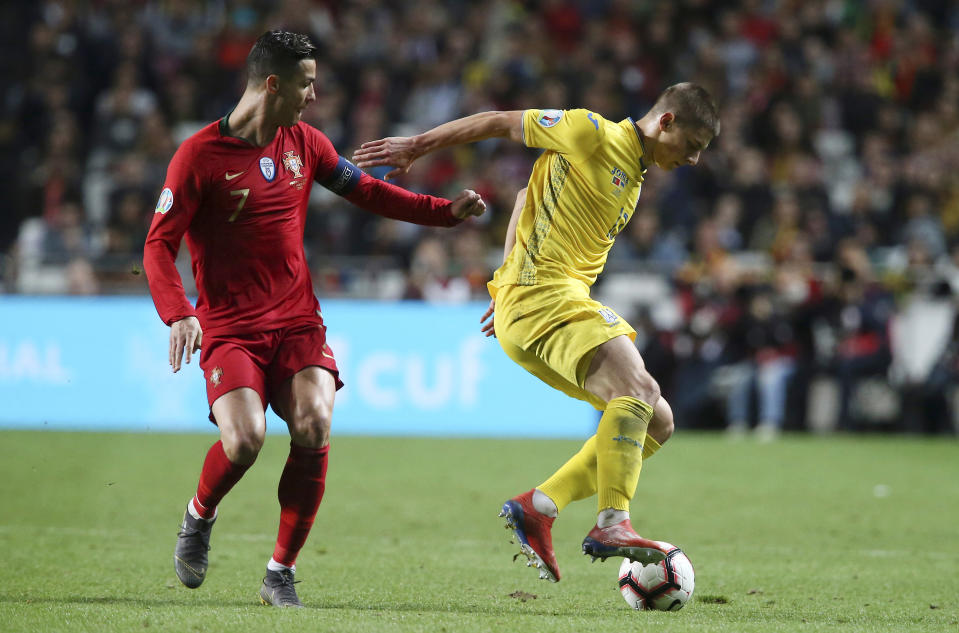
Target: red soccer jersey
243,210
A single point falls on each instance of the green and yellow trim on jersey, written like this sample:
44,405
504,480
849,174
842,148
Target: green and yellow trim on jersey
582,192
543,221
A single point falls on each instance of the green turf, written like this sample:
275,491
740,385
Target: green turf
807,534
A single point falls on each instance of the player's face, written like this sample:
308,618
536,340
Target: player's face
677,145
296,92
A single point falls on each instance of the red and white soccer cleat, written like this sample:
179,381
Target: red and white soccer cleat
621,539
532,529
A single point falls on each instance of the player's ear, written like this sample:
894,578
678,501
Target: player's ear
666,121
273,84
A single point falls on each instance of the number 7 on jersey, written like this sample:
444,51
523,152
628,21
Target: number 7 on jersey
242,194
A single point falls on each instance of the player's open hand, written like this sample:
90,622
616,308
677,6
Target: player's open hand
395,151
488,328
185,334
468,203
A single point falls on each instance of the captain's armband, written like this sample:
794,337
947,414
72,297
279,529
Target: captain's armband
344,177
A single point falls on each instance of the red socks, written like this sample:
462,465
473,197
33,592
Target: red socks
300,492
218,476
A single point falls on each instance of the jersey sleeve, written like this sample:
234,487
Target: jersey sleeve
181,197
576,134
382,198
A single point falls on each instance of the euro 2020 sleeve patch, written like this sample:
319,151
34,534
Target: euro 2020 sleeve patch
165,203
549,118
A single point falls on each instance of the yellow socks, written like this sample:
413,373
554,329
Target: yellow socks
650,446
619,450
575,480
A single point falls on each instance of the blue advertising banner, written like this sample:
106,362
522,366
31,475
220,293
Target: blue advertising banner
409,368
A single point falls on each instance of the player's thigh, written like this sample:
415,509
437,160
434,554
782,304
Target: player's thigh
303,380
239,414
553,333
617,369
305,403
541,369
236,390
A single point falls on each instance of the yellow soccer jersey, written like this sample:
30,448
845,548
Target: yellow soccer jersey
581,194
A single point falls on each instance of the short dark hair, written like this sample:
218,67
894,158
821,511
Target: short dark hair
692,105
278,53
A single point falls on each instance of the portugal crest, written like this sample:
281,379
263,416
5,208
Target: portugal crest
216,376
293,164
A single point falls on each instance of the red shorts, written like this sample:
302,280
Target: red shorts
262,361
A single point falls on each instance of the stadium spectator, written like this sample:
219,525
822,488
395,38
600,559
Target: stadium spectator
852,107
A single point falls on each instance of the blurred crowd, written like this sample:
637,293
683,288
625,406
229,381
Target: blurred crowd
804,275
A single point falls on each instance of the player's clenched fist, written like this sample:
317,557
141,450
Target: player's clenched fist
466,204
185,334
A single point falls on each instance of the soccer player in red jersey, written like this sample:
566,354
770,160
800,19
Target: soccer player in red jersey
238,190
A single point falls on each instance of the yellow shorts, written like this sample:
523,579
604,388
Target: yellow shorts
552,331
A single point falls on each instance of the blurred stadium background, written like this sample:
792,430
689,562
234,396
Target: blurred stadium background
804,276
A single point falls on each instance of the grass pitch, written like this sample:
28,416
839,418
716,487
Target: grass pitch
806,534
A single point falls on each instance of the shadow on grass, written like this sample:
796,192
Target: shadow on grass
492,608
133,602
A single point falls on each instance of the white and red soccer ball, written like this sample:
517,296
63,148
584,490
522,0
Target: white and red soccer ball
663,586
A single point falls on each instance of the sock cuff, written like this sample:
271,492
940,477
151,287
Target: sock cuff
650,446
633,406
308,452
220,453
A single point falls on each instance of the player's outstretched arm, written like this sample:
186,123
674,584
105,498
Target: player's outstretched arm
401,151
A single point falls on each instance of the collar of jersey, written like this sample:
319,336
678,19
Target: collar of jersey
225,128
642,145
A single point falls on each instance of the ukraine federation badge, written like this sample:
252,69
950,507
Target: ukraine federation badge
268,168
549,118
165,203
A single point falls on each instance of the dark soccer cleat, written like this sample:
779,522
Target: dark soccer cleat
192,544
532,529
622,540
278,590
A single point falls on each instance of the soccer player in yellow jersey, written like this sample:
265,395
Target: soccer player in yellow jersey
581,193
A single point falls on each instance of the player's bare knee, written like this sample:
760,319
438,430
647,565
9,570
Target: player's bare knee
311,425
642,386
242,446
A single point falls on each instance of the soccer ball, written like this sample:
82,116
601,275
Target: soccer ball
663,586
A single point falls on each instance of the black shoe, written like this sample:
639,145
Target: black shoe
277,589
192,544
